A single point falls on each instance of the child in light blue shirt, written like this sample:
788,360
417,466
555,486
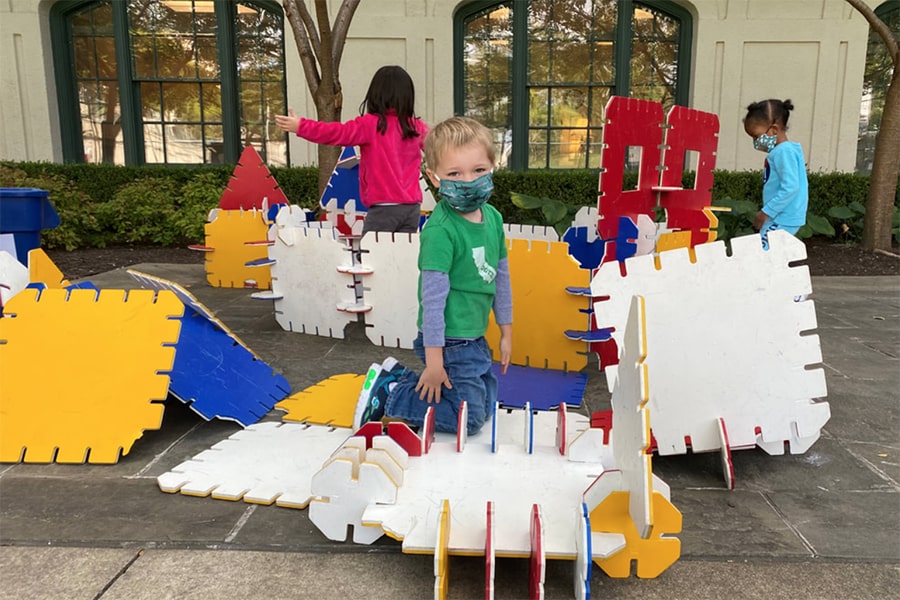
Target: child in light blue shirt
785,187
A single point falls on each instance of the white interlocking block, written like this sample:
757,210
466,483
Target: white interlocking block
725,339
631,427
343,488
512,479
531,232
264,463
392,289
13,277
305,276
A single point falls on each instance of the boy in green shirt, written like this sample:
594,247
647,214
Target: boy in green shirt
463,275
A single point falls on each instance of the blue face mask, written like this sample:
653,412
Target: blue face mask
467,196
765,143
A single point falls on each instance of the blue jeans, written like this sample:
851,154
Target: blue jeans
468,365
771,225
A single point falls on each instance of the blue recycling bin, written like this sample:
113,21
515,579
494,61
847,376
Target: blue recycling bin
24,212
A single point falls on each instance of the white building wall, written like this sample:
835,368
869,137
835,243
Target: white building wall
811,51
29,116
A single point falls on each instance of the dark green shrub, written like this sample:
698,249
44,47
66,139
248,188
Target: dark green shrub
141,212
299,184
738,220
80,190
198,196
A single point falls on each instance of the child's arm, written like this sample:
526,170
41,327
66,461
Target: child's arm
435,288
331,133
503,312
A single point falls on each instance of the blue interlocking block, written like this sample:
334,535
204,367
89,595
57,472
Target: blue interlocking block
219,377
543,388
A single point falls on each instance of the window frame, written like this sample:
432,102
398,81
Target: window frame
519,91
71,135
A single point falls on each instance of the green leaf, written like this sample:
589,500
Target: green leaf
857,207
841,212
819,225
554,211
528,202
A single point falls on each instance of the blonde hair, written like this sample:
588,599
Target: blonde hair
456,132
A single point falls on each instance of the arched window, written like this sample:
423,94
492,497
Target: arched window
169,81
539,73
879,71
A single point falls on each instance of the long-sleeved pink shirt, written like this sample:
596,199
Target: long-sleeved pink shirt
389,166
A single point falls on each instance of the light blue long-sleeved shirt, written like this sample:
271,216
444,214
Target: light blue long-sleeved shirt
785,188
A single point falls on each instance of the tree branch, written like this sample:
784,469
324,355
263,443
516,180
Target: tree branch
879,27
341,27
302,39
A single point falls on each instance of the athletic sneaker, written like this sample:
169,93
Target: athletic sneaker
374,393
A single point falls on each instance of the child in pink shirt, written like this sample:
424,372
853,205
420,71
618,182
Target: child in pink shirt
390,138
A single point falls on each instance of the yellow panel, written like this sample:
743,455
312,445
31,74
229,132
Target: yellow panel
41,269
83,371
228,235
441,562
330,402
654,554
542,309
713,224
673,240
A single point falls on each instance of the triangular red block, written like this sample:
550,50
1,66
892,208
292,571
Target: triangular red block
250,183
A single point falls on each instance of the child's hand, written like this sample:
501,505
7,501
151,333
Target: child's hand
760,220
288,123
429,386
505,347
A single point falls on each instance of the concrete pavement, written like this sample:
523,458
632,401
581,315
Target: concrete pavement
825,524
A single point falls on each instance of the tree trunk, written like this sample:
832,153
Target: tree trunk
885,170
327,155
886,164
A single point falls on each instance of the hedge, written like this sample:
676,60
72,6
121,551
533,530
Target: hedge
102,205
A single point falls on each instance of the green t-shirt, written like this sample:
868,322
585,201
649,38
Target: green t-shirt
469,253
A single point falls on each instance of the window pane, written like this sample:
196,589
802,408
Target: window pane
539,111
214,144
567,148
212,102
260,60
100,126
570,62
207,58
153,143
537,149
251,102
604,63
85,59
487,73
151,102
94,59
654,58
184,144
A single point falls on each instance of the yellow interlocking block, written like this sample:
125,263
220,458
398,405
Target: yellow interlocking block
83,373
653,554
41,269
330,402
540,272
228,235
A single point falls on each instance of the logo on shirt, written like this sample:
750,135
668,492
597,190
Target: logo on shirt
487,272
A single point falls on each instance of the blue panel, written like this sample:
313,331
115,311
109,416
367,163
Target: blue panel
543,388
344,182
219,377
588,254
